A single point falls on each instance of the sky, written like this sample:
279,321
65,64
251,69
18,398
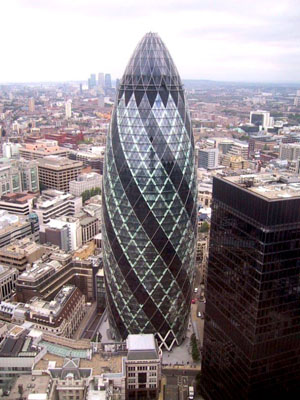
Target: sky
227,40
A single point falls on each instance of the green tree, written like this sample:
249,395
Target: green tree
204,228
195,349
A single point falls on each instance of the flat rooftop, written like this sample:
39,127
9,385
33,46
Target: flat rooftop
269,186
30,384
100,364
58,163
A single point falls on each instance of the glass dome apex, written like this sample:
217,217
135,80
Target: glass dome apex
151,66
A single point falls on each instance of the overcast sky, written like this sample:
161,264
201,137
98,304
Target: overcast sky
232,40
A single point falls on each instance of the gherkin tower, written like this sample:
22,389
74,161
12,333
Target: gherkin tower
149,200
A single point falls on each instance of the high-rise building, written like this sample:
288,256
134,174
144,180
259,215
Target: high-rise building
101,80
68,108
251,347
31,104
92,81
150,200
108,81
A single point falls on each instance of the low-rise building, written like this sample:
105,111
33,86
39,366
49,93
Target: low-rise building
8,277
18,355
57,172
47,277
90,228
31,387
21,254
64,232
42,148
85,182
71,382
17,203
54,203
14,227
62,315
143,367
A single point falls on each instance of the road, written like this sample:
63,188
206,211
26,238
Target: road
181,377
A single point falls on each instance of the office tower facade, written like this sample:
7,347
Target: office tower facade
149,200
92,81
208,158
101,80
57,172
108,81
251,347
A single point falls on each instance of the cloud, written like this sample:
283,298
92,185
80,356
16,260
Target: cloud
210,39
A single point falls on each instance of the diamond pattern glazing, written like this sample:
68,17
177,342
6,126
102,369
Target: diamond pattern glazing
149,200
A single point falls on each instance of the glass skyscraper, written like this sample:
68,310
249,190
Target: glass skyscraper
150,200
251,345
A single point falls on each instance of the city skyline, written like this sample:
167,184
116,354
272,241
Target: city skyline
65,40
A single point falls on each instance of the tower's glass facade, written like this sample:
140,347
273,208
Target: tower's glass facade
149,200
251,345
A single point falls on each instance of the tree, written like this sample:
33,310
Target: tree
87,194
195,350
204,228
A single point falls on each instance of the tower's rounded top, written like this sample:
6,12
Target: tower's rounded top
151,65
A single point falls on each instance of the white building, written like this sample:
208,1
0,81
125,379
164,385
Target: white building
54,203
85,182
70,225
143,367
68,109
10,150
261,119
208,158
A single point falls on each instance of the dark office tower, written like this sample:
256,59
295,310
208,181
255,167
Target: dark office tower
149,200
251,344
108,81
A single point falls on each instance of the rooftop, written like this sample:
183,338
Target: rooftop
54,307
10,221
99,363
58,163
269,186
141,342
31,385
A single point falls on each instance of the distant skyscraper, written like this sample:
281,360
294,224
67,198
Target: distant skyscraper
150,200
117,84
92,81
251,347
68,109
101,80
31,105
108,81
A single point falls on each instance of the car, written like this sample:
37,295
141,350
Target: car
193,301
199,314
